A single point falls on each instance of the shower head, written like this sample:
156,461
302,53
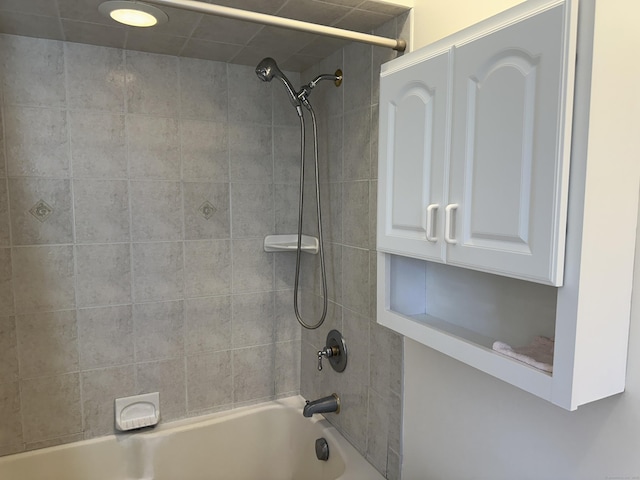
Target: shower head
267,69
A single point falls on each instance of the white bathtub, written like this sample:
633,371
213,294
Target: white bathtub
270,441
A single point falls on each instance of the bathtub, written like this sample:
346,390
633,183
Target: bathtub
270,441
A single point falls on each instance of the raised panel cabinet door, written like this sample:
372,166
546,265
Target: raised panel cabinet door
412,156
506,211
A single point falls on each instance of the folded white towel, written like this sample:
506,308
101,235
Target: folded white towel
538,354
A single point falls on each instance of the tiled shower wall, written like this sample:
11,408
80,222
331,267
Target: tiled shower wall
371,386
135,192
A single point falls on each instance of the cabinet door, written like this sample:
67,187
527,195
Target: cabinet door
413,133
508,190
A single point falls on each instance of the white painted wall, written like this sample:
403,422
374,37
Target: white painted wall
462,424
435,19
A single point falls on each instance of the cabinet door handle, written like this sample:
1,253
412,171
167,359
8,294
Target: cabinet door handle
430,217
447,223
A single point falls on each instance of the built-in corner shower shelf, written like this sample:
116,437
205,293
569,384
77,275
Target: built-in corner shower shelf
289,243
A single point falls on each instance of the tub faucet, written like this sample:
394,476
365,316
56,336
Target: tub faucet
322,405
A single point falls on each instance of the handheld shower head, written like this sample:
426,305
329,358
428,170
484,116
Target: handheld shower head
267,69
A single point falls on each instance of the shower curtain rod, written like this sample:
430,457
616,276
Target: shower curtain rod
272,20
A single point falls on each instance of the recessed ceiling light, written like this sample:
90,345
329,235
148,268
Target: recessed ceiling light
134,14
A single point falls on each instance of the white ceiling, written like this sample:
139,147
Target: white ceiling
196,35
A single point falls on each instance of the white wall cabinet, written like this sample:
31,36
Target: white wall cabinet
475,146
481,136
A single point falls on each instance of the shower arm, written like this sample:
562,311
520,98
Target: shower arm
305,90
275,21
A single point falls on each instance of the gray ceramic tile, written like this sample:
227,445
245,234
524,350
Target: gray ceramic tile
252,266
355,330
166,377
286,325
10,415
158,271
53,442
105,336
330,149
377,431
204,148
40,211
307,10
287,367
225,30
36,141
286,208
395,422
250,97
207,324
355,279
13,23
278,42
209,380
353,414
95,77
357,65
253,319
43,278
103,274
332,211
207,268
154,147
83,10
38,82
99,389
373,213
6,283
156,211
3,164
362,21
311,307
285,269
98,147
206,210
286,151
158,330
213,51
4,212
203,89
253,214
355,215
152,83
253,373
94,34
35,7
44,396
375,117
380,56
357,145
8,350
47,343
251,160
334,97
394,465
373,278
101,210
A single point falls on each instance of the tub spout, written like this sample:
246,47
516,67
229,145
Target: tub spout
322,405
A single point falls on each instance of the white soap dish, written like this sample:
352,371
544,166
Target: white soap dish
138,411
289,243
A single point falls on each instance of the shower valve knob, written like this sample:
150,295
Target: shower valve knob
327,352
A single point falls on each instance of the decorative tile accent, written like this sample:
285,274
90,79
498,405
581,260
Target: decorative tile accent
41,210
207,210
